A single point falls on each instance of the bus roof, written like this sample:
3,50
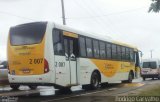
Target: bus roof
93,35
107,39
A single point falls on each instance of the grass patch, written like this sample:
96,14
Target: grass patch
155,91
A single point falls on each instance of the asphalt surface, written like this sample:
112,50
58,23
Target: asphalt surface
49,94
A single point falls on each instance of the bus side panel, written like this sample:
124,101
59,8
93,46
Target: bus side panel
49,52
111,71
119,74
86,67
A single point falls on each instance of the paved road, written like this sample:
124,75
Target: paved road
49,94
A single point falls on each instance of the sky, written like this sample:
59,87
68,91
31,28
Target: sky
124,20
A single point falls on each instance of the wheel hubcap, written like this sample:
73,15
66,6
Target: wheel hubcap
95,81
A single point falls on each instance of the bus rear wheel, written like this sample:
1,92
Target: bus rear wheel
95,80
15,87
32,87
144,78
130,78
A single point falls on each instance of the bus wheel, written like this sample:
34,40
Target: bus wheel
144,78
130,77
15,87
32,87
95,80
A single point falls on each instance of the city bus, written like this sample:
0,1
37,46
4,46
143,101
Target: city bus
46,53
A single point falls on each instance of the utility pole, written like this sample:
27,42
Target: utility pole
151,52
63,13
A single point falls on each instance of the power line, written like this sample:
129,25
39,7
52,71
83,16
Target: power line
22,17
10,14
107,18
89,6
114,13
88,12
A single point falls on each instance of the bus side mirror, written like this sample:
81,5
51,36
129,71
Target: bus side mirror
141,54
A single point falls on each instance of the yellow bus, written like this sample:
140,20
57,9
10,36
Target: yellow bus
45,53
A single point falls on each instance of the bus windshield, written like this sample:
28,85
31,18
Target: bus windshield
27,34
150,65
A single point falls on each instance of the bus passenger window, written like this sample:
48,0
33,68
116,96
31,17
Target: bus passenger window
127,54
114,51
119,52
123,53
66,48
57,42
71,48
89,47
131,55
108,50
96,48
82,46
102,50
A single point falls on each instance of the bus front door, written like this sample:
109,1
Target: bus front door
137,65
71,46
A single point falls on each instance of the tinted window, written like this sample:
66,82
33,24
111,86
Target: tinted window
82,46
123,53
96,48
114,51
26,34
127,54
71,48
57,42
66,47
108,50
131,55
102,50
89,47
119,52
149,65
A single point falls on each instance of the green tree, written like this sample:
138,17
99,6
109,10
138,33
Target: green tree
155,6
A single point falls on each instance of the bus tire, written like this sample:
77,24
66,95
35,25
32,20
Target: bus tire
15,87
32,87
130,77
144,78
95,80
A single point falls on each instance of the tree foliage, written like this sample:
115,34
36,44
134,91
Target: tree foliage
155,6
